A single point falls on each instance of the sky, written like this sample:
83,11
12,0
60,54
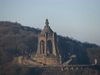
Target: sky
79,19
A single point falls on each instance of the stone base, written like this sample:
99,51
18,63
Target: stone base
48,60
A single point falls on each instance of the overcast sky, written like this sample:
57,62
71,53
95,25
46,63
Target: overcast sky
79,19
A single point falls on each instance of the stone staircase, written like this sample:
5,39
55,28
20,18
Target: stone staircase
67,62
29,61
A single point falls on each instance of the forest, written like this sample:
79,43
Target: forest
18,40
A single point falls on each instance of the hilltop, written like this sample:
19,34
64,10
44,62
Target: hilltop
18,40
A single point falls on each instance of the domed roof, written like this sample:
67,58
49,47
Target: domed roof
46,29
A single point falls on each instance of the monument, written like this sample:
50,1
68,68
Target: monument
47,51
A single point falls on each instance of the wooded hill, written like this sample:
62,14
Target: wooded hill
17,40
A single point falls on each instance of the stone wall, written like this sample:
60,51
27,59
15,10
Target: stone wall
48,61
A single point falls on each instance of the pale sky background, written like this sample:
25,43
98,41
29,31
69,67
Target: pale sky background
79,19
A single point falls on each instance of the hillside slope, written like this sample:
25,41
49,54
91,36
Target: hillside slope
17,40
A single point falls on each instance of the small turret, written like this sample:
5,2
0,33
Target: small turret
47,23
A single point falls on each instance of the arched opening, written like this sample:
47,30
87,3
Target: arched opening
49,47
42,47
